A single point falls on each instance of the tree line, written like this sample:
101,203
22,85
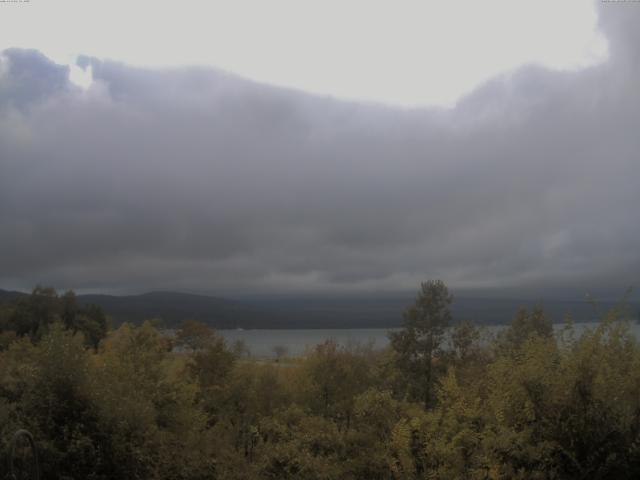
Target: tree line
443,401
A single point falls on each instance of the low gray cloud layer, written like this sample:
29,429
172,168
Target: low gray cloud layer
195,179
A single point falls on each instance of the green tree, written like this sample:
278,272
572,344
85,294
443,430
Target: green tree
336,375
148,411
33,314
193,335
464,341
525,325
418,343
92,323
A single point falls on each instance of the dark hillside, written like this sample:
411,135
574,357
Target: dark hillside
314,312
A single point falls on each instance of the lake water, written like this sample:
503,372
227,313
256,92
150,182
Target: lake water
261,343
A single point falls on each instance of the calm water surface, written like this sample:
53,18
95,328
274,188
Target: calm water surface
261,343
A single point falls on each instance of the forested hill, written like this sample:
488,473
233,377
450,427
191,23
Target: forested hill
171,308
310,312
10,295
174,307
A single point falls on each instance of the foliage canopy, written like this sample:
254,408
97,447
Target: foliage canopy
127,404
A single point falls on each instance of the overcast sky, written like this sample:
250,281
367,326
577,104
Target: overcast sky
311,147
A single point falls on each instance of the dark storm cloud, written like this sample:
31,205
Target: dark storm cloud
196,179
32,77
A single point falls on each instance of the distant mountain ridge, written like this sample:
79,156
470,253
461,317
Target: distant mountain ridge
171,308
10,295
174,307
